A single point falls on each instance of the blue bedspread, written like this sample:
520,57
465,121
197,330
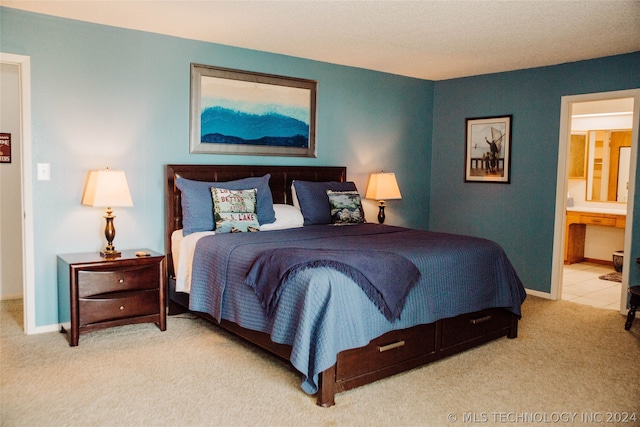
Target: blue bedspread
322,312
385,278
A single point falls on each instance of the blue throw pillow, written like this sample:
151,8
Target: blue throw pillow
197,205
313,199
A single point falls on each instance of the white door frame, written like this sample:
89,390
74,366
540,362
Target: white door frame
28,269
562,184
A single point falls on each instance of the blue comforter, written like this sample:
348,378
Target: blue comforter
321,311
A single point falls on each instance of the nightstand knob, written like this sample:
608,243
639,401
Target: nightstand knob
122,307
121,281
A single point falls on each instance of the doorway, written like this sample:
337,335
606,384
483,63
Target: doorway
22,147
606,105
10,184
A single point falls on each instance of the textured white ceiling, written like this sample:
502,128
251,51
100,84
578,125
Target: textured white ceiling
432,40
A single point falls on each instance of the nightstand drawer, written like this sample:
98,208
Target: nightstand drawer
118,305
94,282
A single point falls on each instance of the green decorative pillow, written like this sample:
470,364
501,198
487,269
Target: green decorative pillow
346,207
234,211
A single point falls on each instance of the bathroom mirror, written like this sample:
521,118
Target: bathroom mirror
608,162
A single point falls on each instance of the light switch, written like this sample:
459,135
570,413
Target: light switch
44,172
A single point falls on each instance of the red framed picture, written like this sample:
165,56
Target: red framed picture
5,148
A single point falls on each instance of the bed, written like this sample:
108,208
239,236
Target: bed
337,336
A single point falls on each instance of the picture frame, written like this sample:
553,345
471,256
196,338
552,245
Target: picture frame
249,113
488,149
5,148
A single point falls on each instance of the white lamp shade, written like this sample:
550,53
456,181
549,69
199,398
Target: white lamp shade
383,186
107,188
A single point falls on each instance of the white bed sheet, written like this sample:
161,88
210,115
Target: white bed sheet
183,247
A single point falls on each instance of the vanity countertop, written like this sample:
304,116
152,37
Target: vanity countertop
600,210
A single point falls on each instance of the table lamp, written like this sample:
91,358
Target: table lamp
107,188
383,186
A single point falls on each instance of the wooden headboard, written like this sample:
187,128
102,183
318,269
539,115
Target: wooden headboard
280,183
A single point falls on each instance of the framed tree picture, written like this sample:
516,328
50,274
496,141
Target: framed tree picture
488,149
243,112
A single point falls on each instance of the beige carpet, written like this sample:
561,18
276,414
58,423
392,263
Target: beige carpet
570,364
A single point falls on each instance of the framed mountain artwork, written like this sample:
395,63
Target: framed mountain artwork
248,113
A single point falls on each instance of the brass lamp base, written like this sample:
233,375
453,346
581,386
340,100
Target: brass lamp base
105,253
110,234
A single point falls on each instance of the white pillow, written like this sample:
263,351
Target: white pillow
294,196
287,216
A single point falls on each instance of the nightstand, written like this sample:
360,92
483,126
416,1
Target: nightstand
107,292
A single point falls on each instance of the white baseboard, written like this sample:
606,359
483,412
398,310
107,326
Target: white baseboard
45,329
545,295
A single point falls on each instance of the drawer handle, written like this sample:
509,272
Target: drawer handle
122,307
480,320
388,347
121,281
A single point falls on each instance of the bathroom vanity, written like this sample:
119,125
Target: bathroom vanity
576,228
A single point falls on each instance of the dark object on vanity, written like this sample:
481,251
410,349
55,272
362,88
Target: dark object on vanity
106,292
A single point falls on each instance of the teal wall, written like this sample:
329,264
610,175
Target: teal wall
108,96
520,216
104,96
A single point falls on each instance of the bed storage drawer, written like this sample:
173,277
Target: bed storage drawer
391,348
472,326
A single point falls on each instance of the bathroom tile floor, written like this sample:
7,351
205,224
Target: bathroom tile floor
580,283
